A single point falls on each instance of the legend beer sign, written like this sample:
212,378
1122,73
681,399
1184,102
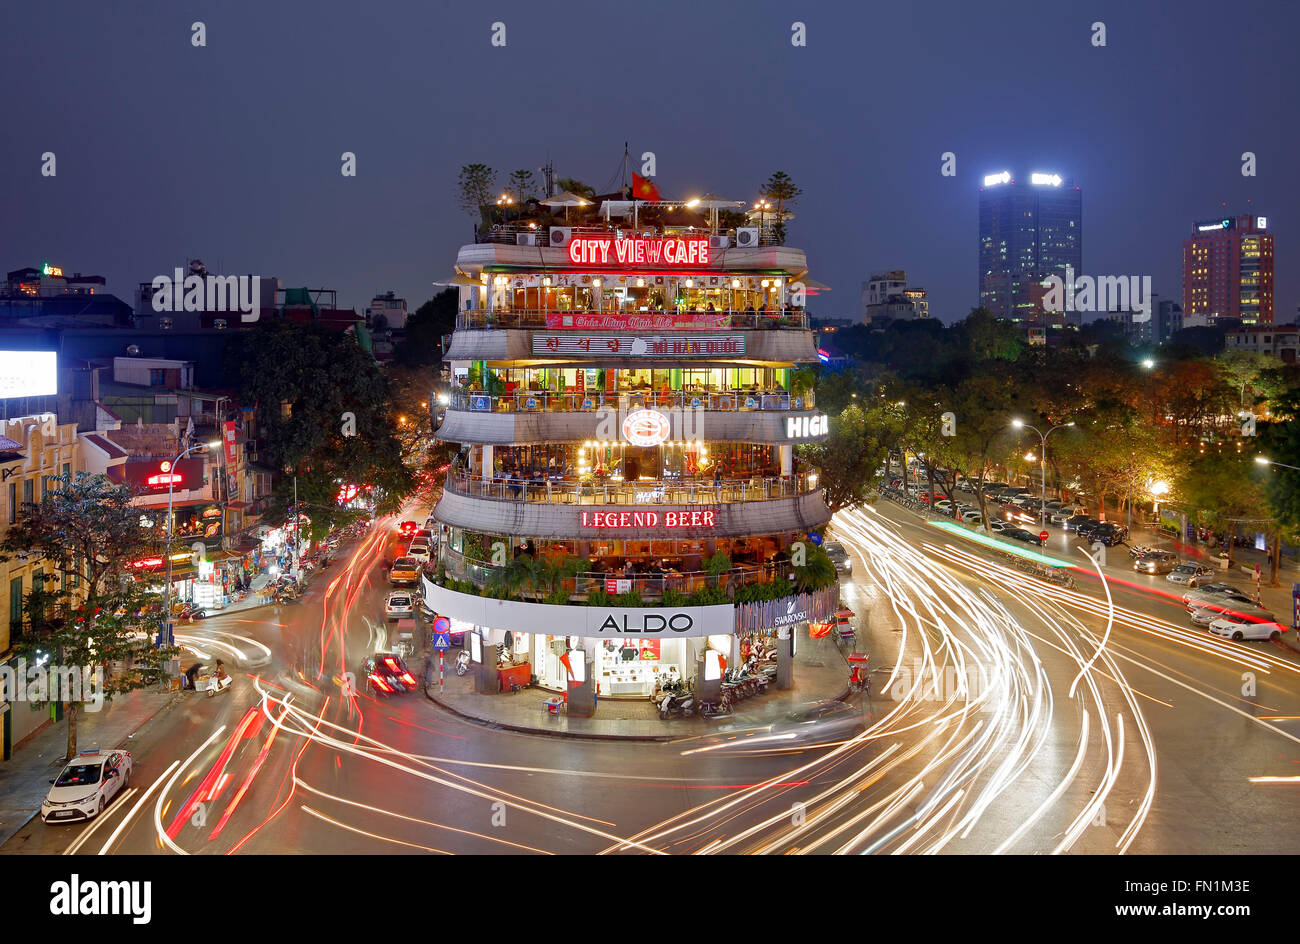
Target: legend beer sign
648,519
606,250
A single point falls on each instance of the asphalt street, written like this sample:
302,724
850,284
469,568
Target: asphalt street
998,721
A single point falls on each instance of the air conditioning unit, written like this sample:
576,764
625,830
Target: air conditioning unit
747,237
719,242
526,239
560,235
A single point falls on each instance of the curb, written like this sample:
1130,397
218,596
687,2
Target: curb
522,729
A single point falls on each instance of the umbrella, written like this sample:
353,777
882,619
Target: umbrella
712,202
566,199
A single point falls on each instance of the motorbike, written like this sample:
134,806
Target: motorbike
462,662
677,703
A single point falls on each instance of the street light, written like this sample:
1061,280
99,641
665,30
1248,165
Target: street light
1042,495
167,548
1263,461
1148,363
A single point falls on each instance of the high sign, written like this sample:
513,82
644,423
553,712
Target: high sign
806,427
724,345
28,374
606,250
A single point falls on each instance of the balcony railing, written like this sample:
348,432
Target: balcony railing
536,318
541,401
541,235
483,574
640,493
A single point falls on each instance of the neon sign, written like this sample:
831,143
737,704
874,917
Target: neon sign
1045,179
992,180
605,250
648,519
52,270
646,428
804,427
165,478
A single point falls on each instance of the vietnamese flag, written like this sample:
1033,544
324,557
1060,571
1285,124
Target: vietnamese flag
644,189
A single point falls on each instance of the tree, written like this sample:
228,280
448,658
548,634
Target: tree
98,613
1280,441
982,407
425,330
781,188
851,454
476,183
326,411
522,185
1222,489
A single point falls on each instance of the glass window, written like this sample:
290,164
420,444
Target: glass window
29,491
13,502
15,605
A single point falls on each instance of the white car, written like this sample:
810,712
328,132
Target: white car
399,605
85,786
972,517
1236,629
420,552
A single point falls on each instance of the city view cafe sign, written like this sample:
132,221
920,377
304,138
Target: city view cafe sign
606,250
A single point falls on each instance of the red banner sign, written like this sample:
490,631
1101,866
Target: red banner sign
648,519
606,250
228,438
639,320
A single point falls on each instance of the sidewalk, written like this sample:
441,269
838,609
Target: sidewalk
820,672
24,780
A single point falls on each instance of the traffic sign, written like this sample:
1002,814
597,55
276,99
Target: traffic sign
441,624
1043,536
442,640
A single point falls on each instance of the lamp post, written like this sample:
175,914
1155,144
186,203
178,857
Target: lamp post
167,546
1276,556
1262,461
762,206
1042,458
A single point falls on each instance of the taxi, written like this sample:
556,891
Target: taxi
86,785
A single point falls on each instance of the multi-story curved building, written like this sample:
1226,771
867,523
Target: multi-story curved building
627,406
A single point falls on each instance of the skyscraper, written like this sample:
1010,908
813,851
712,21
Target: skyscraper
1028,231
1228,270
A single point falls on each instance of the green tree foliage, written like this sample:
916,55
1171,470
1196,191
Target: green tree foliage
476,184
1280,441
781,189
522,184
303,379
89,610
425,329
850,455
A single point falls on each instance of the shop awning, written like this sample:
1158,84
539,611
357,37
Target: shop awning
239,505
222,554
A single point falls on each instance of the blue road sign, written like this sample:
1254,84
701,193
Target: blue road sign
442,640
441,624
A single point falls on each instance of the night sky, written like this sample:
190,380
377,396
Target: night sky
231,153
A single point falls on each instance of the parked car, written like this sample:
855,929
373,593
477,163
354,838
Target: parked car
420,551
1231,627
1156,562
839,557
86,785
1205,615
1189,574
1020,534
408,528
399,605
996,525
1211,591
1108,533
972,517
1077,521
1059,518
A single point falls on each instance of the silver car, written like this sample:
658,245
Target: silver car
1189,574
1204,616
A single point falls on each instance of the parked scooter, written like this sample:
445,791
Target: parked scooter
677,703
462,662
